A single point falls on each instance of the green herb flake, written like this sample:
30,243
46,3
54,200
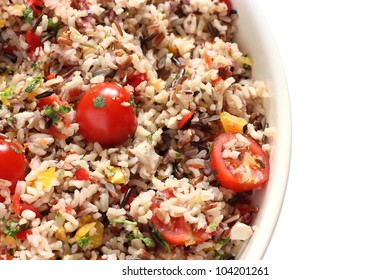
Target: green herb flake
64,109
215,172
33,84
148,242
11,228
28,15
213,226
223,241
8,91
209,148
202,90
35,66
84,241
52,25
156,234
150,139
178,154
48,111
16,150
99,102
122,221
131,101
59,215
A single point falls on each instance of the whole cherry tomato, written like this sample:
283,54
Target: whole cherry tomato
105,115
12,162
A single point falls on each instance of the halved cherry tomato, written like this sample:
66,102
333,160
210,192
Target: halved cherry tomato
12,162
135,80
33,41
185,119
104,115
36,6
22,235
82,174
228,4
178,231
246,172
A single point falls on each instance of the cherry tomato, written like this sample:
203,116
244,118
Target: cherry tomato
246,172
103,118
82,174
22,235
33,41
24,206
12,162
178,231
228,4
135,80
36,6
47,101
184,120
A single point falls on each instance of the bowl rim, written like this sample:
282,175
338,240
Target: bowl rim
272,196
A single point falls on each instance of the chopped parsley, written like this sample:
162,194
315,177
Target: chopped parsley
48,111
11,228
59,215
131,101
8,91
84,241
64,109
148,242
33,84
28,15
202,90
150,139
213,226
156,234
178,154
16,150
99,102
35,66
223,241
209,147
52,25
122,221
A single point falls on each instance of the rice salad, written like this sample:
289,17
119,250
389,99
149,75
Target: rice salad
130,129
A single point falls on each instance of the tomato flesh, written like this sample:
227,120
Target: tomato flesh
22,235
135,80
228,4
82,174
178,231
249,170
33,41
36,6
12,162
184,120
102,118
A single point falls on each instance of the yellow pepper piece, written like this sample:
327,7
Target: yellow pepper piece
232,123
85,219
97,238
2,23
246,61
9,241
61,234
117,176
5,101
82,231
46,177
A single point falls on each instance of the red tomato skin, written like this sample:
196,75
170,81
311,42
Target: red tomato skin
222,173
25,206
228,4
22,235
110,125
12,162
82,174
178,231
135,80
47,101
34,4
33,41
184,120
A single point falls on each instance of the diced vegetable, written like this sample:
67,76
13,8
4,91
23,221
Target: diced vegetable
232,123
84,230
117,176
46,177
61,234
184,120
82,174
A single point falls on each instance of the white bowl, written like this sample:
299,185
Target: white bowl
254,37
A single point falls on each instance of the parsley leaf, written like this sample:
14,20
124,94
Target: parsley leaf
52,25
122,221
213,226
99,102
8,91
11,228
84,241
156,234
223,241
150,139
33,84
16,150
28,15
64,109
148,242
178,154
48,111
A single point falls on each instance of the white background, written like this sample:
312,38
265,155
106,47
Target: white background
335,219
